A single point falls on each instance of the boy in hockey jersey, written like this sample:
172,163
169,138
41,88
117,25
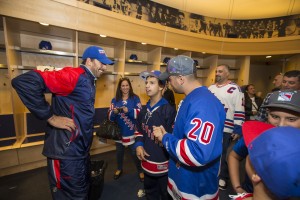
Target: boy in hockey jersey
195,146
151,152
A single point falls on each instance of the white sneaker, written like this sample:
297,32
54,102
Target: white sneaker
222,184
240,196
141,193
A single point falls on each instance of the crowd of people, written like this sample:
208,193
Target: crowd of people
178,154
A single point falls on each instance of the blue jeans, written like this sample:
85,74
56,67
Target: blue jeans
120,149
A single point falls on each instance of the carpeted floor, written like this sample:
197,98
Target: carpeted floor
33,184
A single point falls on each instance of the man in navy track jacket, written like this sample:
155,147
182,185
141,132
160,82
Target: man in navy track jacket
69,132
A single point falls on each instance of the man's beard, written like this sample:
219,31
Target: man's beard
218,78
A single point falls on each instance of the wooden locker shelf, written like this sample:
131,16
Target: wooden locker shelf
46,52
3,66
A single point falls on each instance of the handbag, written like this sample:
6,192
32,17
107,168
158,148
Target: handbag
109,130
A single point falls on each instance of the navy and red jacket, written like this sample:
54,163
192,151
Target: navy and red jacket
73,96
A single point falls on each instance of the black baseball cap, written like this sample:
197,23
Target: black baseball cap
288,99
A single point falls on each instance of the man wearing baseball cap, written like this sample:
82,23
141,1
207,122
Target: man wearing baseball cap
273,161
95,59
69,131
195,145
291,81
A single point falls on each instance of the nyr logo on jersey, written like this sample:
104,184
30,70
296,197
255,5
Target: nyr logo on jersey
139,105
231,89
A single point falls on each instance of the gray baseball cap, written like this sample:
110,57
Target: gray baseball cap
288,99
180,65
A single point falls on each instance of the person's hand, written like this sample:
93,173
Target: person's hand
125,109
159,132
62,123
116,111
235,136
141,153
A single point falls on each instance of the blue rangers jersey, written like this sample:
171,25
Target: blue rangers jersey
126,121
232,98
195,147
162,113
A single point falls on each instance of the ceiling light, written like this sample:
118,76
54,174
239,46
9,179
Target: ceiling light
102,35
176,49
204,52
44,24
268,56
144,43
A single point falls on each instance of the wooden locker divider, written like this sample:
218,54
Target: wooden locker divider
12,39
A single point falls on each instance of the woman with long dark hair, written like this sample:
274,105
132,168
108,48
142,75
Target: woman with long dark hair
124,108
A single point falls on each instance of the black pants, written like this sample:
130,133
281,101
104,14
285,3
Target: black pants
156,187
227,139
69,179
120,150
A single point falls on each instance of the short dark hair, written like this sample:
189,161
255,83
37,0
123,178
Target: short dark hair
226,66
160,82
84,61
181,13
247,87
293,73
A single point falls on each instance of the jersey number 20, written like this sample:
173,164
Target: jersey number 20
206,131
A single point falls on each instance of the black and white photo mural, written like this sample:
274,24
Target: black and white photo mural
166,16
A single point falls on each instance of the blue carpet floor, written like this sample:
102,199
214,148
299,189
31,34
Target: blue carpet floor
33,184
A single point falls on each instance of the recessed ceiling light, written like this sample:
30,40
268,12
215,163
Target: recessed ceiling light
176,49
144,43
204,52
102,35
44,24
268,56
